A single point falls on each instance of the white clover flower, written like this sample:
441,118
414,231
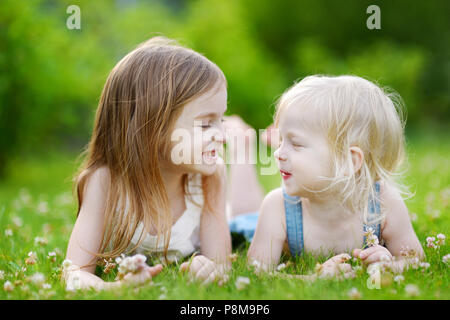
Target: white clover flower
37,278
2,274
430,242
242,282
399,278
412,290
52,256
8,286
371,238
446,258
424,265
17,221
415,263
354,294
24,196
357,269
233,257
8,233
440,239
132,264
42,207
32,258
256,264
46,286
281,266
66,263
40,241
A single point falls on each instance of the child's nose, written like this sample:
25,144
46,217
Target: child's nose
280,155
219,137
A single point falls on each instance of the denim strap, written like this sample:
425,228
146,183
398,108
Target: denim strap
374,212
294,223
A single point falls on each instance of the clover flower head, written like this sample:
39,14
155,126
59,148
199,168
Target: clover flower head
281,266
17,221
109,265
131,264
40,241
446,258
42,207
8,286
354,294
371,238
66,264
2,274
424,265
52,256
412,290
440,239
242,282
430,242
415,262
399,278
32,258
46,286
8,233
37,279
233,257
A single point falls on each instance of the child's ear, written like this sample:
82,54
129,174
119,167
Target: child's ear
357,158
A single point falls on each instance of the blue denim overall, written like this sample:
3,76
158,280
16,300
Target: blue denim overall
294,220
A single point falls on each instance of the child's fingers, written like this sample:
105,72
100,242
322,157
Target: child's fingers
367,252
206,269
153,271
184,266
344,267
211,278
375,257
341,258
356,252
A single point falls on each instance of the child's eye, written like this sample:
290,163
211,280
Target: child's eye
204,126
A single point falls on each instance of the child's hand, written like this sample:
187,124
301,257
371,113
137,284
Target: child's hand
143,276
202,269
372,254
336,267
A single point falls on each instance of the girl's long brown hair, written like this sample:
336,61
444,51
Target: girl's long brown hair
143,96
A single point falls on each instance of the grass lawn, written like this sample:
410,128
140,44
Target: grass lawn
37,213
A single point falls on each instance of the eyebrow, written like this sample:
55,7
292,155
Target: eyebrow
208,114
293,134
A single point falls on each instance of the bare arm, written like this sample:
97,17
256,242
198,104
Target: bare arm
270,234
215,238
397,232
86,238
86,234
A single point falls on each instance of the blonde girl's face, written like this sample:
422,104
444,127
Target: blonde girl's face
198,135
303,155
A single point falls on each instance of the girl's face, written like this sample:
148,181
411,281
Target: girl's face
198,136
303,155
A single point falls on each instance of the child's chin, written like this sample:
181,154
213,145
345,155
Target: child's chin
291,190
205,169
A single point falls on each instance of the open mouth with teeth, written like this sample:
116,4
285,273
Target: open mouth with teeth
210,156
285,174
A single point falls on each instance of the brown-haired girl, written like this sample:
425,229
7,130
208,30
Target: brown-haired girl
132,196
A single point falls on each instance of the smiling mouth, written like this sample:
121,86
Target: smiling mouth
210,156
285,174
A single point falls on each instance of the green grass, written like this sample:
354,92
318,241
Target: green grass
35,201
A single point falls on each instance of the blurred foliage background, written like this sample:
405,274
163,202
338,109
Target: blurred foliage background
51,77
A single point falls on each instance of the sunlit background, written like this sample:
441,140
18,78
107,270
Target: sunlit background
51,78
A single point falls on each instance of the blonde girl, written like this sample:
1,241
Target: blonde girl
132,195
341,146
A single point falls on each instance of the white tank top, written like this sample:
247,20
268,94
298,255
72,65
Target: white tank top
185,233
